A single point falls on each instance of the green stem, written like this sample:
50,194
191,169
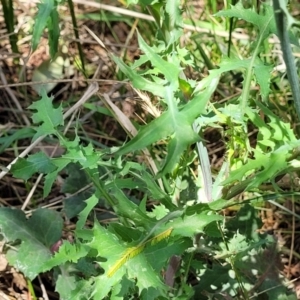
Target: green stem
31,290
100,188
282,32
8,13
74,22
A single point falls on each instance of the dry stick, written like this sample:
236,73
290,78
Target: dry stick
45,295
106,81
13,97
92,89
30,194
129,37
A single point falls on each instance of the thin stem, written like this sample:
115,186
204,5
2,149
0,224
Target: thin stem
74,22
282,32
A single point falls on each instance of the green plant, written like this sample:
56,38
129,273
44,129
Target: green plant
8,12
133,256
48,17
284,22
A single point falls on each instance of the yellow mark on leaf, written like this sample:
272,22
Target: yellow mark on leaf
134,251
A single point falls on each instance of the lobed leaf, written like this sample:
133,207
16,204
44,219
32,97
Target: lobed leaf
36,234
48,116
140,259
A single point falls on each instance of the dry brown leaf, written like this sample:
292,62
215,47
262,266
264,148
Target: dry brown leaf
3,262
19,280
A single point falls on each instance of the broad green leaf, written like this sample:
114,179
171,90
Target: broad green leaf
41,162
127,183
23,169
38,162
196,106
36,235
227,64
86,265
249,15
111,248
47,225
104,284
45,9
159,254
48,117
151,294
84,155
